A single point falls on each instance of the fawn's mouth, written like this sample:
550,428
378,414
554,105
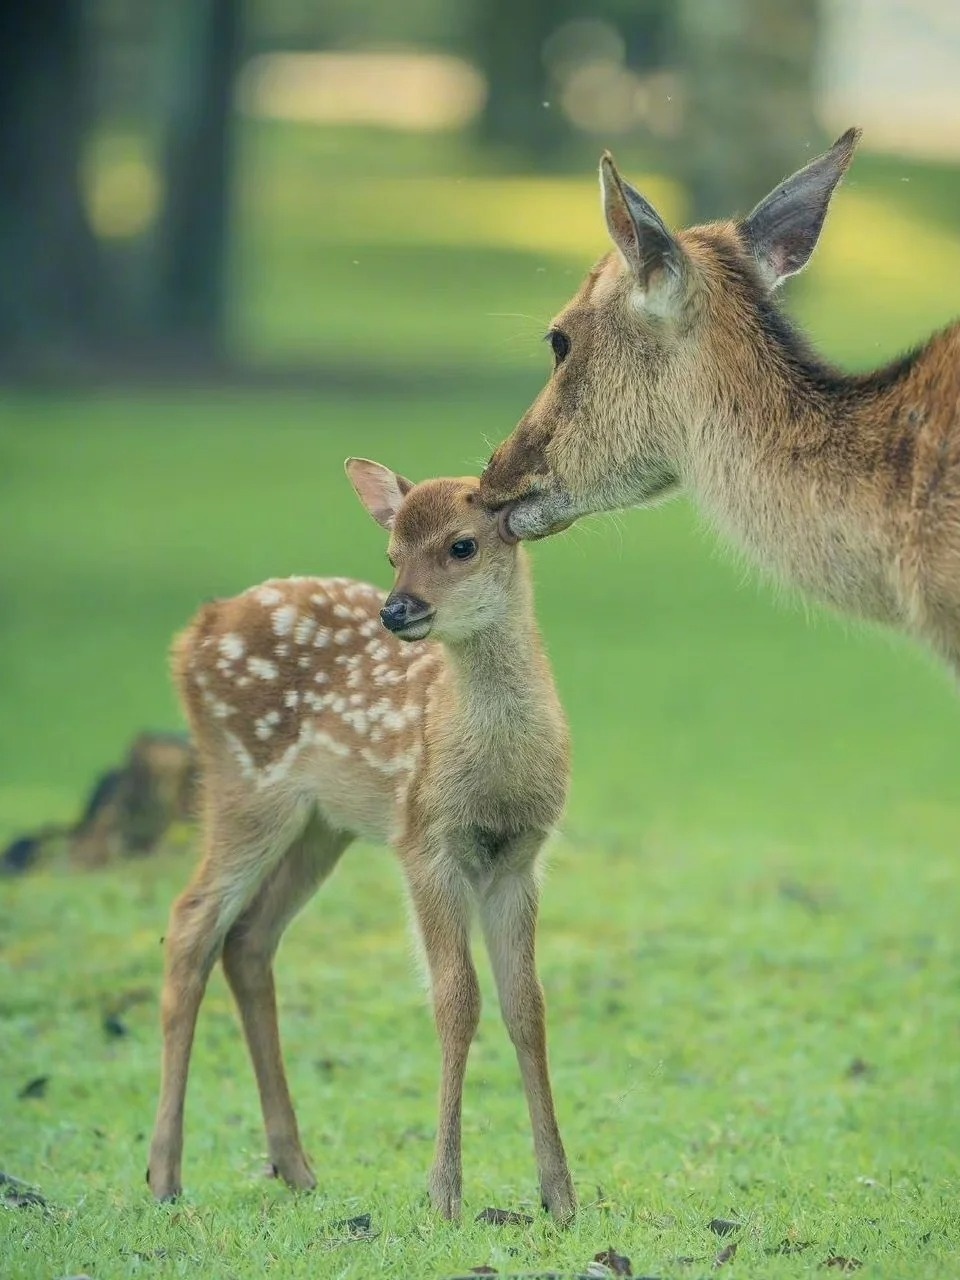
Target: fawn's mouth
418,629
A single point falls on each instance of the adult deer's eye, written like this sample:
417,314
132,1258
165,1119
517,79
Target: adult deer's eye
464,548
561,345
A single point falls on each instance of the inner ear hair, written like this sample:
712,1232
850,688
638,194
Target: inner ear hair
783,230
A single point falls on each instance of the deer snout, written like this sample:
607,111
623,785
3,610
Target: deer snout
404,613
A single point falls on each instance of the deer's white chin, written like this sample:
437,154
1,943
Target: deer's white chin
539,516
416,630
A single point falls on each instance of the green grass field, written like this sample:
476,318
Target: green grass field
749,937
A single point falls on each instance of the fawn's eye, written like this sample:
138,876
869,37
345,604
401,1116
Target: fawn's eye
560,345
463,548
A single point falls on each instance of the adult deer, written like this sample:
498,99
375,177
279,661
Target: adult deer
313,726
675,369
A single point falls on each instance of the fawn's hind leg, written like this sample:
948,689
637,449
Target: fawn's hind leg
240,850
248,963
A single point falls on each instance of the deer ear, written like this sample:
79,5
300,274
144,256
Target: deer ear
379,489
783,229
641,236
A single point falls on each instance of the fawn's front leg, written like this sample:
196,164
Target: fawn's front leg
508,913
441,903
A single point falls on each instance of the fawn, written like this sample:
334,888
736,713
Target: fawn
675,369
315,725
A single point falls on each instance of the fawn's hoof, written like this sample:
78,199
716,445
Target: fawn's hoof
165,1189
559,1199
292,1167
446,1195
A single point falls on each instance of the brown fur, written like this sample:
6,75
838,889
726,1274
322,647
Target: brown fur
314,725
683,374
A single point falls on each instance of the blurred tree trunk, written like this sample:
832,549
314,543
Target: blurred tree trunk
48,255
201,51
509,39
748,81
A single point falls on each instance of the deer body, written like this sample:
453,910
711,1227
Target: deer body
314,725
675,370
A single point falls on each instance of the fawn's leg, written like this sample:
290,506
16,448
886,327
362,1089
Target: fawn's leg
240,851
248,963
441,903
508,913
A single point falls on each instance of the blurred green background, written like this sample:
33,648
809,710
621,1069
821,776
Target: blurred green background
268,237
341,232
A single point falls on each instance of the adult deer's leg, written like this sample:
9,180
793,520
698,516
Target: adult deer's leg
241,849
508,914
441,903
248,963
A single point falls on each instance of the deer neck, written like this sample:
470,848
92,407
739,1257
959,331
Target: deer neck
807,469
496,674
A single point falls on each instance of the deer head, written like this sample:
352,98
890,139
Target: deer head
456,564
667,332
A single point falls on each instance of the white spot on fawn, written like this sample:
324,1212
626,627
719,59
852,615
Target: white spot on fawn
283,619
218,708
343,635
268,596
264,726
241,754
357,719
232,646
303,631
291,698
263,668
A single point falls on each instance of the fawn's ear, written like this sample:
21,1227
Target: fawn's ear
641,238
784,228
379,489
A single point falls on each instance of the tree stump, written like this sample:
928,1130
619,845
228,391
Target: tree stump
129,813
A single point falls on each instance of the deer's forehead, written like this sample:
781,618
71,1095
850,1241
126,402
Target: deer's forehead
602,295
432,513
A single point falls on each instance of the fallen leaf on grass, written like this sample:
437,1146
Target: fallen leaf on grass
858,1068
839,1263
809,899
351,1231
618,1264
725,1255
35,1088
114,1026
723,1226
788,1247
504,1218
358,1226
15,1194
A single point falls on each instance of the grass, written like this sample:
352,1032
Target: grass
749,937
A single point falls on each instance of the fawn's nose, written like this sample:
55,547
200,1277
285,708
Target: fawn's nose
403,611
